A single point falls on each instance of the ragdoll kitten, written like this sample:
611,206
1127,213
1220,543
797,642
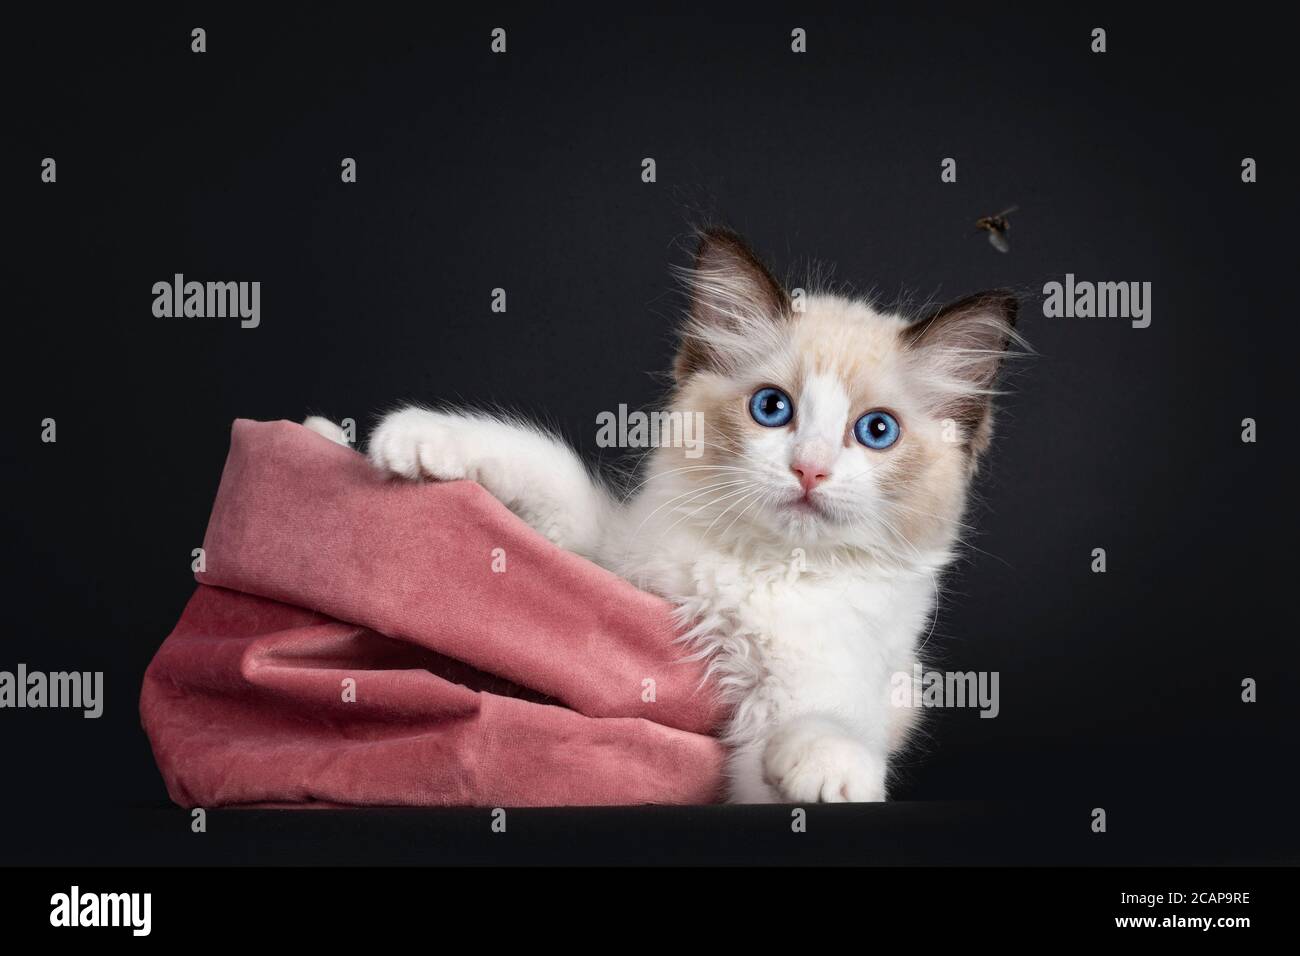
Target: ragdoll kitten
803,538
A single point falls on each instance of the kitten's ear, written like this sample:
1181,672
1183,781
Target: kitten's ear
732,295
960,346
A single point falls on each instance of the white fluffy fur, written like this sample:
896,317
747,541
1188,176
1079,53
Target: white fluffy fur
325,428
803,614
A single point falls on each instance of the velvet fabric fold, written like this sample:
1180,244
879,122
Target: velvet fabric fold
356,641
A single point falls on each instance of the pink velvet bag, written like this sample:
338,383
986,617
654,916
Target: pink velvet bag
358,641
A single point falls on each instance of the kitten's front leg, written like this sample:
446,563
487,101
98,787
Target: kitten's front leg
534,474
816,759
815,729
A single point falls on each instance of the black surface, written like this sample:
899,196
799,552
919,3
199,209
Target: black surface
523,171
1045,832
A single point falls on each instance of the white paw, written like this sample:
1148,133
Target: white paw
817,763
326,428
418,444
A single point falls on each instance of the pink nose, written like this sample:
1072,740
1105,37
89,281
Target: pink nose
810,476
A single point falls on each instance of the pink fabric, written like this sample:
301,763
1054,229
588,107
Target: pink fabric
475,687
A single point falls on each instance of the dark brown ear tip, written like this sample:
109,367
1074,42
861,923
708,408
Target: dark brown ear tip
716,232
715,237
1008,303
1002,302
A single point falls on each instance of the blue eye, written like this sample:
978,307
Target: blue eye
771,407
877,430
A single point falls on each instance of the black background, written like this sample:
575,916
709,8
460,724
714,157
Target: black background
1118,690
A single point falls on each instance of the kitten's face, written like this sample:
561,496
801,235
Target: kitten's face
834,424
